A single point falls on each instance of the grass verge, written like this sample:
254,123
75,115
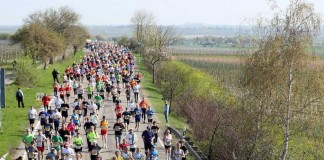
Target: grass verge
151,92
14,119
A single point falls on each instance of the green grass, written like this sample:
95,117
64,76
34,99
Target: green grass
151,92
14,119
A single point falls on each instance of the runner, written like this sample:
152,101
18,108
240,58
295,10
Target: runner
55,88
167,139
118,110
147,137
185,150
46,99
42,117
126,115
118,127
150,114
131,139
48,127
67,152
64,133
154,153
90,91
77,142
62,92
95,151
126,154
155,130
98,99
40,141
138,113
51,155
57,141
58,103
57,118
91,136
32,116
137,155
178,153
104,131
28,139
143,104
64,108
136,89
31,151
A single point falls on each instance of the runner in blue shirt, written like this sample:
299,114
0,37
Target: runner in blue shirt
147,136
150,114
43,116
138,115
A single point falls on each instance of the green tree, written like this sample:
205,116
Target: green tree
59,21
76,35
281,76
172,79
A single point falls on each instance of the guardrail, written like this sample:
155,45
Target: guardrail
198,155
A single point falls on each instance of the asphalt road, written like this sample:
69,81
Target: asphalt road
108,111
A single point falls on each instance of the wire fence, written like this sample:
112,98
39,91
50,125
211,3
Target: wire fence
9,53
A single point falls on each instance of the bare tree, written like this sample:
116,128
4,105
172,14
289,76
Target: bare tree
158,39
142,21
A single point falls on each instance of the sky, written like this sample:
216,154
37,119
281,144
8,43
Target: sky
167,12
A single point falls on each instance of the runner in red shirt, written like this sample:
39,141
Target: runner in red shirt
119,110
123,145
68,89
68,71
46,99
62,92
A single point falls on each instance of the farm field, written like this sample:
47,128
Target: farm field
226,69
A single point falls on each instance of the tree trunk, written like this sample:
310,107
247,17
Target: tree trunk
75,50
153,69
45,65
287,118
51,60
210,147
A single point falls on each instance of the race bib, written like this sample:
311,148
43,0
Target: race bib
117,128
127,117
31,115
79,111
149,117
76,118
167,143
31,155
43,116
56,144
78,146
64,108
94,152
47,128
155,131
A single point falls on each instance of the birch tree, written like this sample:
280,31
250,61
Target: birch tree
282,74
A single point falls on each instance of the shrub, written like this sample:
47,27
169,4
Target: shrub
26,72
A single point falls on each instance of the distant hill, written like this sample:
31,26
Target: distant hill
190,30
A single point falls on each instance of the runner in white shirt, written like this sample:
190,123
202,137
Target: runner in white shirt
92,107
131,107
40,140
131,139
67,152
178,153
58,102
32,113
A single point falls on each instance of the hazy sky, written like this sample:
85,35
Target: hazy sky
167,12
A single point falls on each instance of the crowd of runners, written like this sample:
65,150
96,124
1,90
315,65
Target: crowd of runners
77,108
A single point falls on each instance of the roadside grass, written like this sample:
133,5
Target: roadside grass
151,92
14,119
